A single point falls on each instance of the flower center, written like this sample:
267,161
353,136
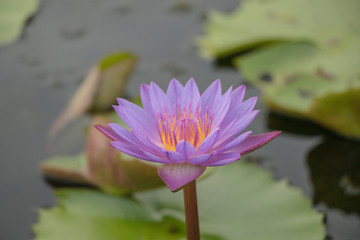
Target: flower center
183,125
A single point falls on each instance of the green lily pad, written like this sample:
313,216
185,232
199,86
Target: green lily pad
238,201
65,168
86,215
13,16
90,215
258,22
300,54
339,112
242,201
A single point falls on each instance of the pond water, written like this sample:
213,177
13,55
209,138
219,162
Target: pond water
42,71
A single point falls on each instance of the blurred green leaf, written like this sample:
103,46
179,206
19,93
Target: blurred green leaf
115,71
68,168
13,16
242,201
339,112
256,22
300,53
238,201
90,215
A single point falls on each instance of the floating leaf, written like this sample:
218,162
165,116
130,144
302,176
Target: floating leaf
339,112
242,201
13,16
67,168
299,55
90,215
328,23
99,90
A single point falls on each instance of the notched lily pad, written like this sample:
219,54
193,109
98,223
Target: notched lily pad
243,201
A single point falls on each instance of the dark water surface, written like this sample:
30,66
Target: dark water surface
42,71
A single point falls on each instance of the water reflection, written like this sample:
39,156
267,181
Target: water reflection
292,125
334,167
333,164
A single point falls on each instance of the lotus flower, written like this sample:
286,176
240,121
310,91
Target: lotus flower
186,131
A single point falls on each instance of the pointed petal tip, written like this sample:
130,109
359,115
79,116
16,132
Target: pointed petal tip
177,176
191,80
256,141
107,131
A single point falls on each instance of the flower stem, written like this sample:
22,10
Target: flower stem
191,212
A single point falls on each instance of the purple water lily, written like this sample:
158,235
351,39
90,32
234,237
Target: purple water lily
186,131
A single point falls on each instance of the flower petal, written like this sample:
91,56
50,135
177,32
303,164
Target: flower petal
155,158
198,160
254,142
123,134
211,95
174,92
237,96
129,150
190,96
175,157
237,126
238,111
186,148
222,159
158,99
233,143
108,132
145,99
136,118
221,108
208,142
176,176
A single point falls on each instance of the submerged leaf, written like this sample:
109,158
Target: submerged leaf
13,16
242,201
103,84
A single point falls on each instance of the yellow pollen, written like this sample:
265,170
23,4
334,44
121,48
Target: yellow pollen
183,125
